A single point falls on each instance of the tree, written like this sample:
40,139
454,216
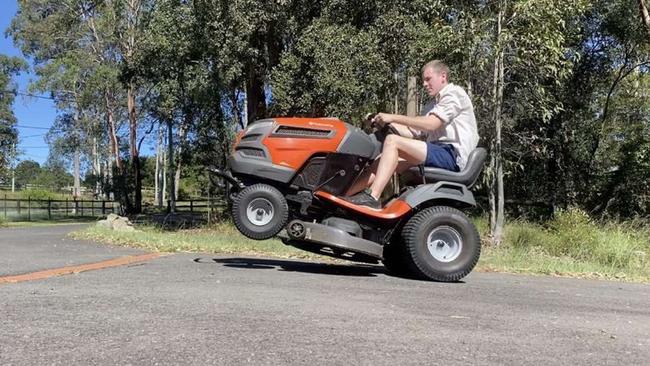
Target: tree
27,171
9,67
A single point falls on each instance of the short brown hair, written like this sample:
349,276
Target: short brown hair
438,66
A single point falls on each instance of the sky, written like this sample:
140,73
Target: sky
35,116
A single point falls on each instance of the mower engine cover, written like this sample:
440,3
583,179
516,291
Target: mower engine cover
302,151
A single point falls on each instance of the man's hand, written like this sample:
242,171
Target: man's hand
383,118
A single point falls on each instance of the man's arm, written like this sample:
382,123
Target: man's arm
421,123
406,131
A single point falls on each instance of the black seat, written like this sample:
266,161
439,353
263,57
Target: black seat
467,176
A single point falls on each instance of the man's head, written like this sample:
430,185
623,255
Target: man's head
435,75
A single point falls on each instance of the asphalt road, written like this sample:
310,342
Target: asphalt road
204,309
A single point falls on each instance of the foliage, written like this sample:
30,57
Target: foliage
39,194
27,172
9,67
575,128
572,234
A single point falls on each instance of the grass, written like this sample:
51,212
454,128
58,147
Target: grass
36,194
220,238
570,245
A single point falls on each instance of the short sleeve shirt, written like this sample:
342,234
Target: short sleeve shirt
454,108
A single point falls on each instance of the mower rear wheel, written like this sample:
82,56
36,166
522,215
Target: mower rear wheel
260,211
442,243
396,259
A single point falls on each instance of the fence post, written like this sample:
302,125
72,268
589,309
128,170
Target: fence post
191,206
169,206
18,206
92,207
29,208
76,207
103,207
81,208
49,209
5,206
66,206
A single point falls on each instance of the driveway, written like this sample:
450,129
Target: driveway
228,310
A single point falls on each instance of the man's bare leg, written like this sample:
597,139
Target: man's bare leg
395,147
368,176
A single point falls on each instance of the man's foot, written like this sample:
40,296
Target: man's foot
364,198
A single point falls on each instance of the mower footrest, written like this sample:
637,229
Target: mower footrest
332,237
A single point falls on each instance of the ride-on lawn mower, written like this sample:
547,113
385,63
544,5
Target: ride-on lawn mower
287,177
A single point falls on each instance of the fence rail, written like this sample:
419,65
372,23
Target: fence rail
19,209
30,209
196,205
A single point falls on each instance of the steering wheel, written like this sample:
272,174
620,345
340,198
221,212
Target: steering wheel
381,132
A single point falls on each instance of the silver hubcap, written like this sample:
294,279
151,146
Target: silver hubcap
444,243
259,211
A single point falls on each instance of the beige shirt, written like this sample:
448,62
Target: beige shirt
454,108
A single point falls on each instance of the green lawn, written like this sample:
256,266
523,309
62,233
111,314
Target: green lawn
219,238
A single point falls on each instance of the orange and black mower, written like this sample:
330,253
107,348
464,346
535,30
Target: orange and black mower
287,177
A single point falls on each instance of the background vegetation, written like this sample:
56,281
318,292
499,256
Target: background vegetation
561,88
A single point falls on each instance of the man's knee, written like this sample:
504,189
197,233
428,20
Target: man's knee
391,141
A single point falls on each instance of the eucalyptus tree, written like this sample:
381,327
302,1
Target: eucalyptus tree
9,67
73,63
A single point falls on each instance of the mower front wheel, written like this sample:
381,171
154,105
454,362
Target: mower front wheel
260,211
442,243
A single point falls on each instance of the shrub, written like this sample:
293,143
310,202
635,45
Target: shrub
577,236
525,235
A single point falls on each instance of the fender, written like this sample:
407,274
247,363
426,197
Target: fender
439,191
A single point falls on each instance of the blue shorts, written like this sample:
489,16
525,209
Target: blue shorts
441,156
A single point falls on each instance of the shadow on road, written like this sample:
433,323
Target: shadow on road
359,270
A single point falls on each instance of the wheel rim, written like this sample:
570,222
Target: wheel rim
259,211
444,243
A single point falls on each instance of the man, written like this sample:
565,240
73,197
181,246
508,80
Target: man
447,127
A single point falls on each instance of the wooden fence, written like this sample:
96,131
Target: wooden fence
196,205
20,209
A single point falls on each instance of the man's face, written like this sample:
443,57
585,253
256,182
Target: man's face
433,81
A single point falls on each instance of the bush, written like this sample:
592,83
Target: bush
573,237
574,234
525,235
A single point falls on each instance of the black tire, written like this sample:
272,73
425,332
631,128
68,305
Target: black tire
454,241
266,204
396,259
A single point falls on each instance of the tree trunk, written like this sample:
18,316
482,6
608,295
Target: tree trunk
135,155
76,173
645,16
411,97
158,181
497,192
256,98
108,173
170,168
112,132
97,169
77,158
182,135
164,177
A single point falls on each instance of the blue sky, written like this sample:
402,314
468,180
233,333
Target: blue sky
30,112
